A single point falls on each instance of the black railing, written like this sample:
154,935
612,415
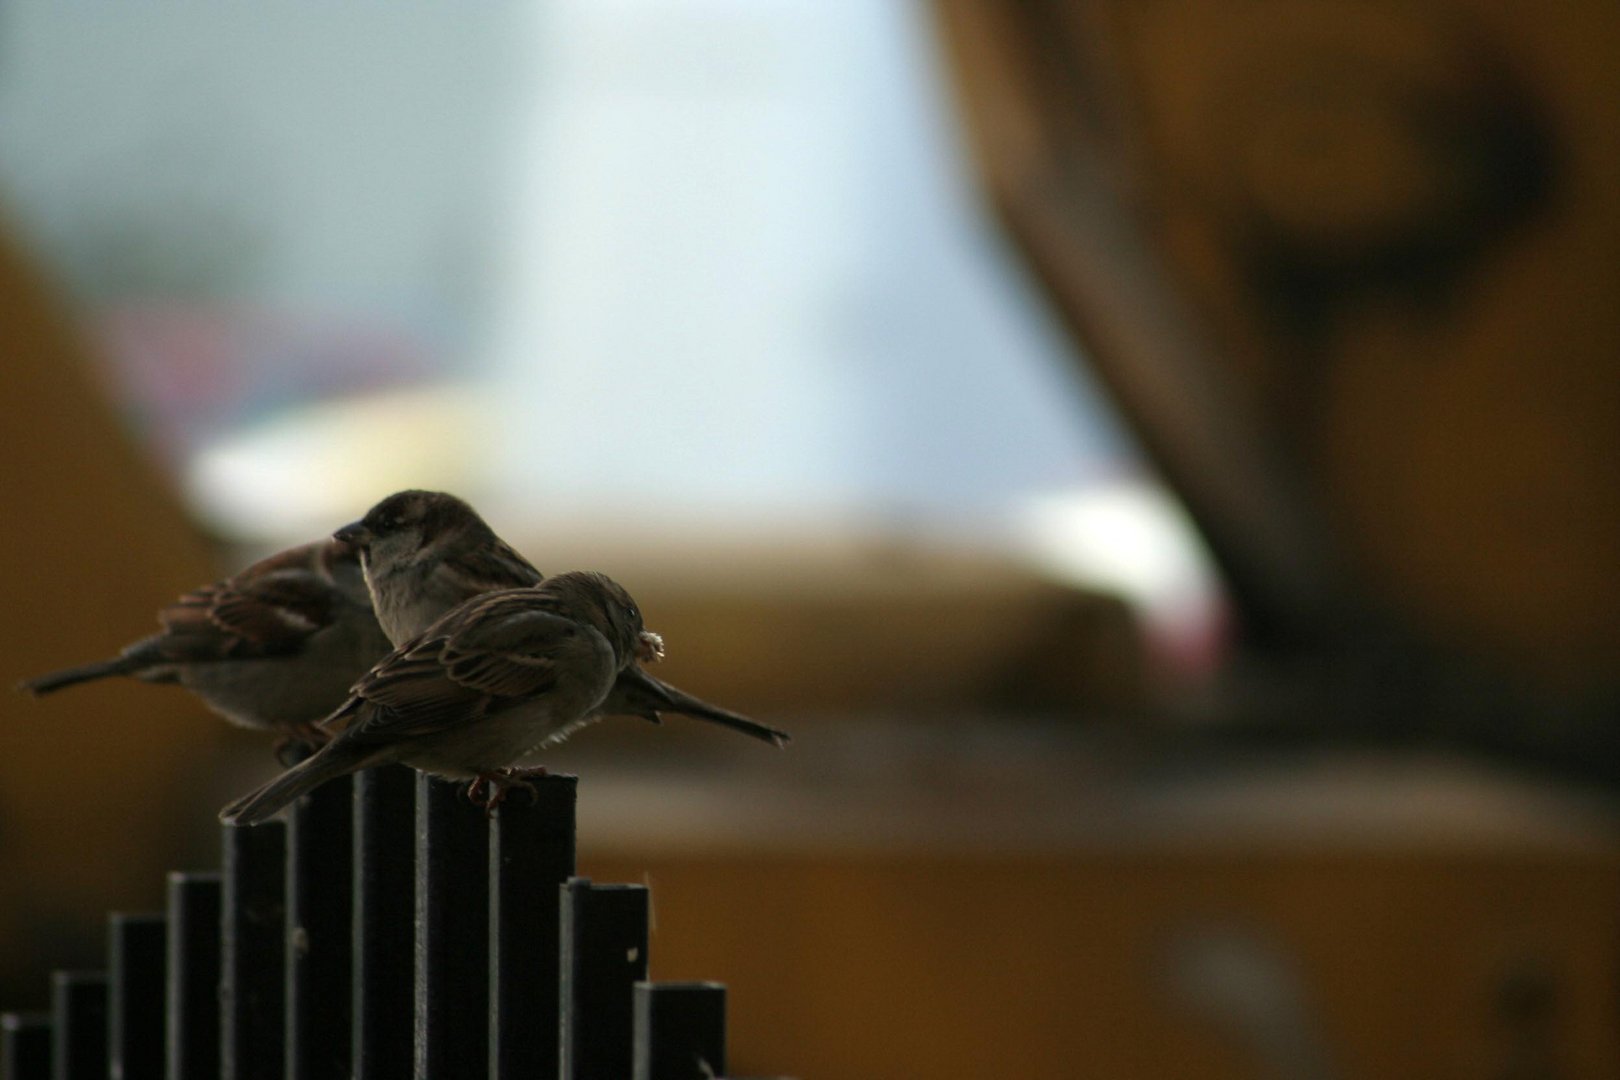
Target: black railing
387,929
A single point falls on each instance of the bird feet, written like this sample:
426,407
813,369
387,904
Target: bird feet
488,790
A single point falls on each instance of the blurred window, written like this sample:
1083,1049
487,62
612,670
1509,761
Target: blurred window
716,260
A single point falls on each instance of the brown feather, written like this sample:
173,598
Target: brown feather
495,648
270,609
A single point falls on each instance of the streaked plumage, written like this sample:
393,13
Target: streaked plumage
496,678
424,552
275,646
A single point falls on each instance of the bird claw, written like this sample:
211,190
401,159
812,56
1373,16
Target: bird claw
497,784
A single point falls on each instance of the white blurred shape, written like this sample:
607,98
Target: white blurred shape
742,279
1133,539
308,472
745,272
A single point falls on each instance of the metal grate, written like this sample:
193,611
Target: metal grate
387,929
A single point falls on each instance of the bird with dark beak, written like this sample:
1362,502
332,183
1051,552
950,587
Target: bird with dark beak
497,678
274,647
424,552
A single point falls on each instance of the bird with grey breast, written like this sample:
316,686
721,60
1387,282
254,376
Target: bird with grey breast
424,552
274,647
497,677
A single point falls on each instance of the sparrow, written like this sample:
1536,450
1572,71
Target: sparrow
274,647
496,678
424,552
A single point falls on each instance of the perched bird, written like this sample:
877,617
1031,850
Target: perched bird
496,678
275,647
426,551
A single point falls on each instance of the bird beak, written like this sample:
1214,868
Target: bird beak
649,647
353,533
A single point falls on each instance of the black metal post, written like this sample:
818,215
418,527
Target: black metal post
680,1031
531,854
25,1045
452,932
384,838
604,954
196,903
320,854
252,963
137,963
79,1019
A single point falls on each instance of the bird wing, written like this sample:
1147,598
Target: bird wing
485,653
270,609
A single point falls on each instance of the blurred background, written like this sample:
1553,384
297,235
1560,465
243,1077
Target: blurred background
1159,459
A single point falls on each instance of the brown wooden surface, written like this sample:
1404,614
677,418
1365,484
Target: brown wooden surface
851,967
1045,967
1350,268
90,780
991,899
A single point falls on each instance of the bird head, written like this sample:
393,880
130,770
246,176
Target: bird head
603,603
407,522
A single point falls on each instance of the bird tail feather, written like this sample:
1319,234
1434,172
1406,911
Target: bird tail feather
101,669
698,709
646,696
332,761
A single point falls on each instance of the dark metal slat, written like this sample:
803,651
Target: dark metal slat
384,839
25,1045
196,903
452,932
253,959
680,1031
604,954
137,969
79,1021
320,856
531,854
